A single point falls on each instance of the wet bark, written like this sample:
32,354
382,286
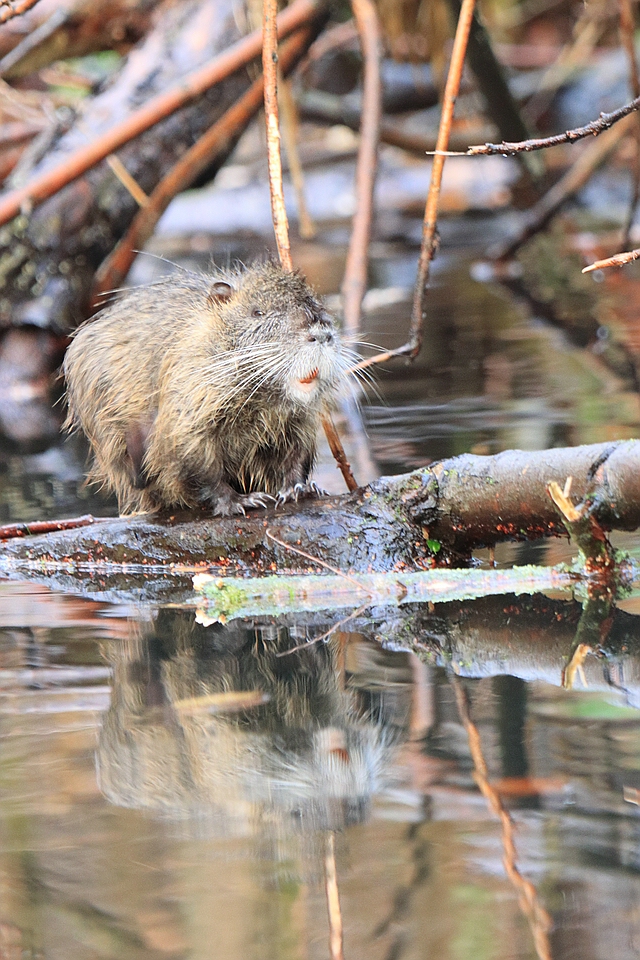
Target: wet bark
48,258
395,523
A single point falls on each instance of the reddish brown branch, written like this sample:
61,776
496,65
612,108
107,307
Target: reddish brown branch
355,277
429,235
238,55
10,10
216,140
333,439
278,210
12,530
270,72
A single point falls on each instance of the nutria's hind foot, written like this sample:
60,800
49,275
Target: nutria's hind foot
300,491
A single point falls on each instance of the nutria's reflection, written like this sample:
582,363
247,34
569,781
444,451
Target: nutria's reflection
308,743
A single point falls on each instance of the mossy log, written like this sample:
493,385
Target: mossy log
435,516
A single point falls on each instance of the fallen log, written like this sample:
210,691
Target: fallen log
434,516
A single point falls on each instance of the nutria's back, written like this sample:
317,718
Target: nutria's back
205,389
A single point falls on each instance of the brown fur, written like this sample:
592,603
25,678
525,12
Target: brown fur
191,390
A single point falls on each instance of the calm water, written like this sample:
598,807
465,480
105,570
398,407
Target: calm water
174,791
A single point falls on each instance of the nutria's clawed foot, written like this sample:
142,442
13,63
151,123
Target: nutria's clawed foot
299,491
230,503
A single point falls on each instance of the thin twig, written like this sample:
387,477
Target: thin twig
429,234
12,530
11,10
592,129
333,899
591,158
270,72
354,283
618,260
324,636
627,34
321,563
119,171
528,900
193,85
116,266
335,444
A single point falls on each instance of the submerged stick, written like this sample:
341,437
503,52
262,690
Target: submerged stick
231,597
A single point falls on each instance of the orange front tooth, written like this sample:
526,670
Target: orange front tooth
312,376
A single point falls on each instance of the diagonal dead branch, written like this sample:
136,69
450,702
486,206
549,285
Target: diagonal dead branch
190,87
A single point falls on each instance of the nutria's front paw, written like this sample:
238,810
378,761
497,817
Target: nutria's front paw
226,502
299,491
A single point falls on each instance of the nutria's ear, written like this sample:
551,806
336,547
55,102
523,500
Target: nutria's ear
220,290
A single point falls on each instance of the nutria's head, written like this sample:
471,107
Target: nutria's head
279,335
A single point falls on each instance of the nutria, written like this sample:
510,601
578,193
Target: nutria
206,390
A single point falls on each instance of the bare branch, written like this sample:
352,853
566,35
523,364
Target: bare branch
355,276
270,72
592,129
429,235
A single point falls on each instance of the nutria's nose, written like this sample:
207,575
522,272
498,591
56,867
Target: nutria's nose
321,335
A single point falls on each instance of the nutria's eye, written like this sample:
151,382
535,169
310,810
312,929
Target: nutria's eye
220,291
256,313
